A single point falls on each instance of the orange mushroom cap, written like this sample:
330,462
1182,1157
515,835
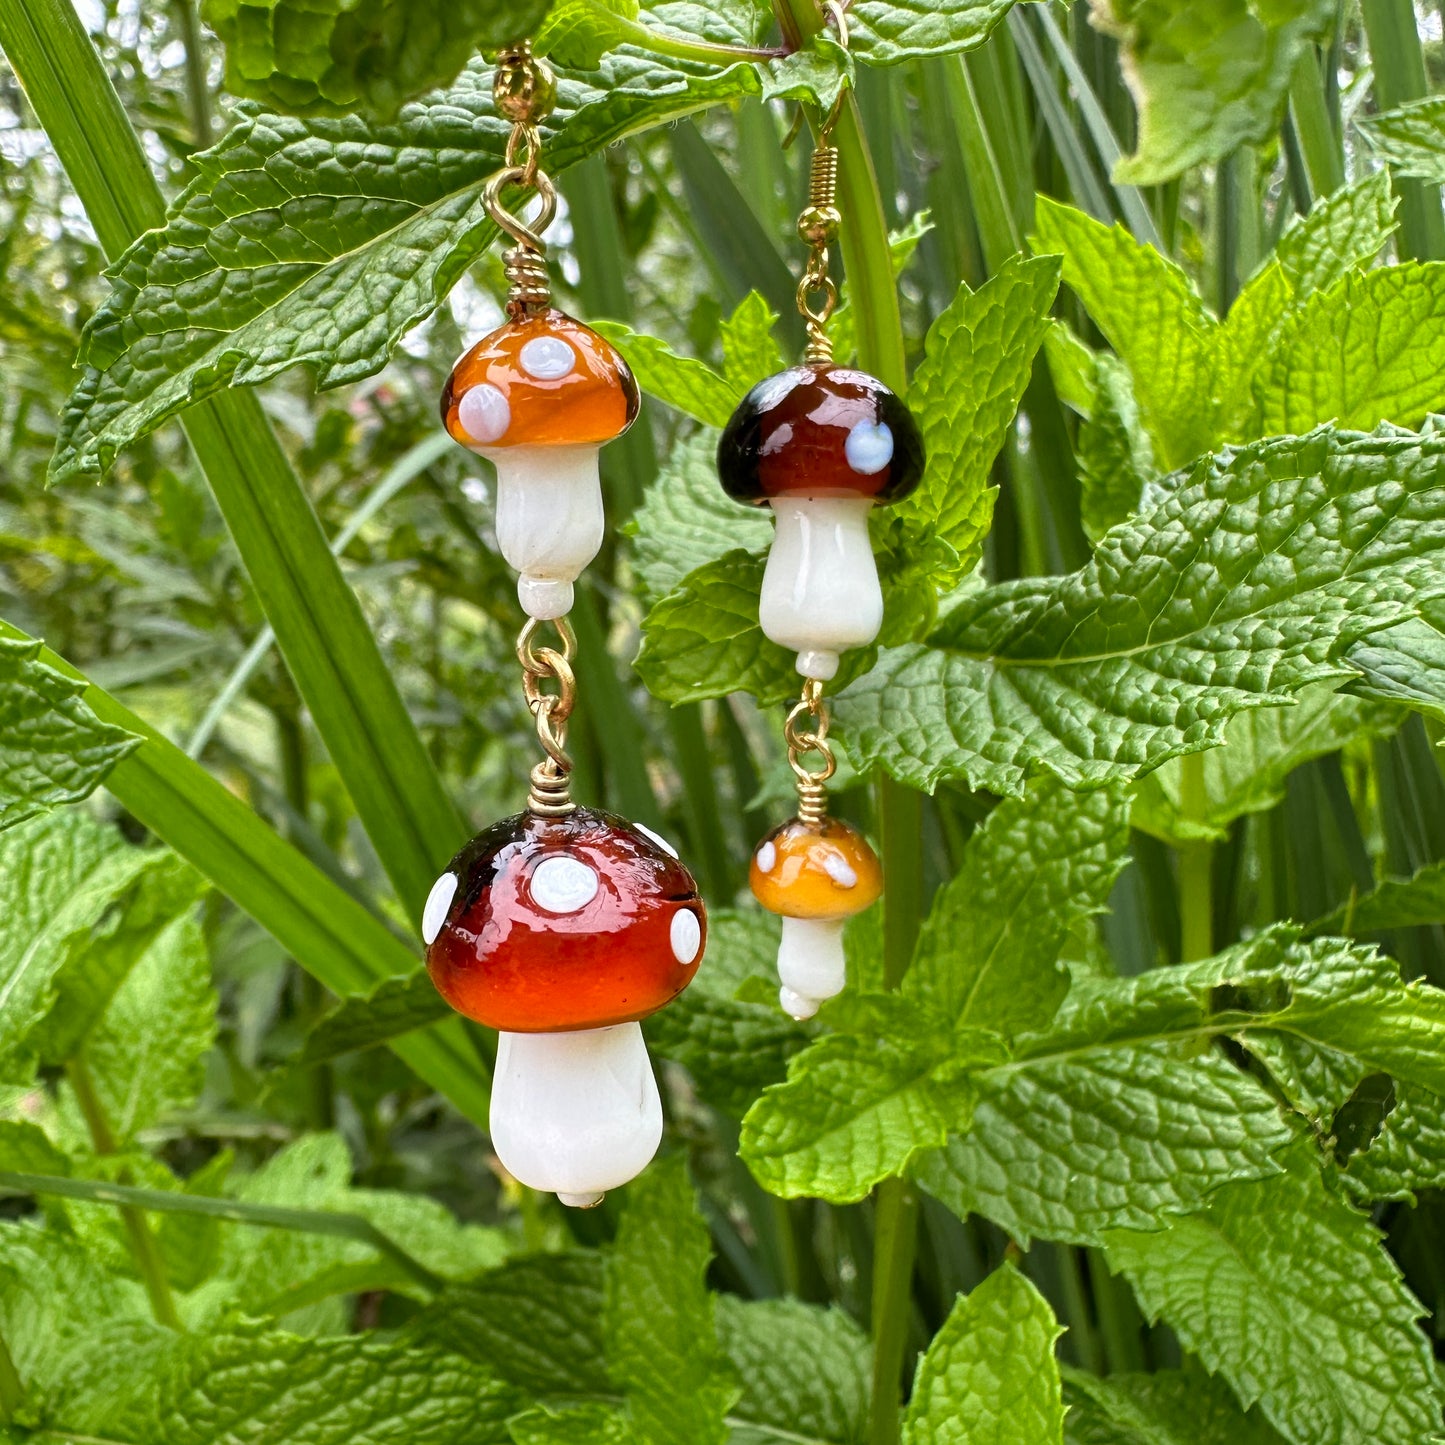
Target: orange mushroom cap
806,870
545,381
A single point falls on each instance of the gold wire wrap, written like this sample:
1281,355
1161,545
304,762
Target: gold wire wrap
802,740
525,91
817,226
550,795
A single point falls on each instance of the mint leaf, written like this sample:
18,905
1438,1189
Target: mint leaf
1248,582
734,1047
1205,79
1410,138
750,351
804,1370
1404,664
374,226
53,749
578,33
327,57
536,1321
885,31
1328,1345
1116,460
686,385
1343,231
146,1054
988,955
1153,318
978,356
1408,1154
662,1347
686,520
859,1104
1170,1407
575,1425
990,1377
1371,348
1248,774
74,916
394,1007
1396,903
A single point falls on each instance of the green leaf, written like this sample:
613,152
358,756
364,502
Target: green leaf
804,1370
662,1346
734,1047
1170,1407
883,32
1206,79
1250,581
67,890
979,355
860,1103
53,748
689,386
579,1425
536,1321
988,955
750,350
355,252
146,1054
1410,138
1328,1345
578,33
255,1388
1345,230
328,57
25,1148
990,1377
1116,460
686,520
1153,318
816,72
1248,774
1408,1154
1369,349
396,1006
1396,903
1404,664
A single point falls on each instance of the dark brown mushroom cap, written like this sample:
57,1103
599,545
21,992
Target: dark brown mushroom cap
820,431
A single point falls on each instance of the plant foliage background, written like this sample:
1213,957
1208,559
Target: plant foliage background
1130,1128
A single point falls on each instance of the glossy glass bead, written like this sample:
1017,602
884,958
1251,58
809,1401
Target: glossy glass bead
815,870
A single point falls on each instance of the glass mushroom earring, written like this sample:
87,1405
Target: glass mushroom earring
561,927
822,445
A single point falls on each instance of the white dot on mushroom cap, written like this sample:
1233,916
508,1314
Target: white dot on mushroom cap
484,413
686,935
563,884
840,870
656,838
438,905
548,358
767,856
869,448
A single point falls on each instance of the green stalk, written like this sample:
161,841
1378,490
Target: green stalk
1196,867
998,231
198,90
1318,140
320,627
143,1247
1399,64
881,351
12,1392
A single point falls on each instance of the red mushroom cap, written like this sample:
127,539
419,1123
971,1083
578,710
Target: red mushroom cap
820,431
553,924
545,381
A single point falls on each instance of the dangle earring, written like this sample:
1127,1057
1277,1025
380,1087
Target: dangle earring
563,926
822,445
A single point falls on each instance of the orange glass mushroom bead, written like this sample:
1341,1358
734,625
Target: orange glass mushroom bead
562,933
538,398
817,876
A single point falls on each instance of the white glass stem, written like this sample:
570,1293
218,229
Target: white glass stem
549,520
575,1113
810,964
820,589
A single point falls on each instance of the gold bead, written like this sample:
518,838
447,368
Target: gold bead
525,87
819,224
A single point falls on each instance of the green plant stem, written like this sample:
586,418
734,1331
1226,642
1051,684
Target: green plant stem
198,90
1196,867
142,1241
12,1391
1318,140
679,47
1399,65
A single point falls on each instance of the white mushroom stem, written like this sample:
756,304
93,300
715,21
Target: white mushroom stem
549,520
810,964
575,1114
820,590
